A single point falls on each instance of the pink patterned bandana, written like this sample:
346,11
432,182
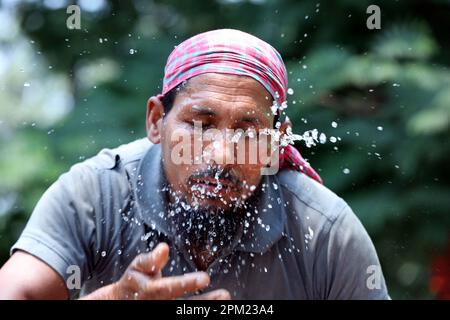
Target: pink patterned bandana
235,52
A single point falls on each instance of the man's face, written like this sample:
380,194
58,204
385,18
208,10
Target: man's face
199,138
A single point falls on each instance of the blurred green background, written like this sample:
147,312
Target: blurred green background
66,94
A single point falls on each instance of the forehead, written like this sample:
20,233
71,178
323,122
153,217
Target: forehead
226,91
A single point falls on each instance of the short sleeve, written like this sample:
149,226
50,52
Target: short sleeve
353,268
62,230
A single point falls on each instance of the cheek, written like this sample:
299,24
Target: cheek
251,174
176,172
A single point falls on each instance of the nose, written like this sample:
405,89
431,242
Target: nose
219,151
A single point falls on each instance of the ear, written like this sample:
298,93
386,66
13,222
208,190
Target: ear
285,125
153,120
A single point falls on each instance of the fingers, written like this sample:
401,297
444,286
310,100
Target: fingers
153,262
142,282
219,294
174,287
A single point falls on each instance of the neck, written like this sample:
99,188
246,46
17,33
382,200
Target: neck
203,258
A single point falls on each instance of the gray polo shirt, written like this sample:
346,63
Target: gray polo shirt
304,242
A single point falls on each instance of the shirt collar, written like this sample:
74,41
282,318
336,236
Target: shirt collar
266,226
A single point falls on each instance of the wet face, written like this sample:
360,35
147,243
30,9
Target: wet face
203,162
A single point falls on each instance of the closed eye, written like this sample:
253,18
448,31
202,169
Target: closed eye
200,124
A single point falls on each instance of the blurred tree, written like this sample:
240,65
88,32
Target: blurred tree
387,91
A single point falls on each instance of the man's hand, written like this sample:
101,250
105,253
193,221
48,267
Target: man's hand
143,280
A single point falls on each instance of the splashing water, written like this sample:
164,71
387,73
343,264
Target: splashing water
310,234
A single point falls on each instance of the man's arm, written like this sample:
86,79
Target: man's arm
26,277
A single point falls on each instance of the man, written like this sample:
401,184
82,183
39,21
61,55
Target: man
179,215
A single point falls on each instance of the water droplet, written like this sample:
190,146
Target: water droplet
346,171
133,51
334,124
322,138
103,253
26,84
290,91
380,128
